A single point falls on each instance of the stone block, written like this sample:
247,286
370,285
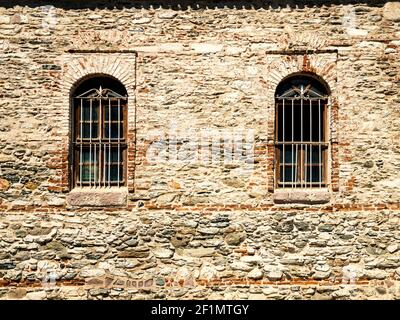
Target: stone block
308,196
197,252
91,197
391,11
206,47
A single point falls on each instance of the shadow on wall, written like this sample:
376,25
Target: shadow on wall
186,4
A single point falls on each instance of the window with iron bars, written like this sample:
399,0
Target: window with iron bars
99,145
301,134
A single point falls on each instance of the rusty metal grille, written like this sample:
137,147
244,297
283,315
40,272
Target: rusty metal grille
100,138
301,137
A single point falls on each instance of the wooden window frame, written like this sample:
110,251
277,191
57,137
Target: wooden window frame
101,141
301,164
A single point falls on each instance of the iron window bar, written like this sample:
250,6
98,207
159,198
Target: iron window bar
301,153
100,141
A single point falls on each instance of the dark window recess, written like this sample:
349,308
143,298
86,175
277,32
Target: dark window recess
99,134
301,133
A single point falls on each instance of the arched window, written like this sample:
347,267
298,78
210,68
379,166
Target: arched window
99,126
301,133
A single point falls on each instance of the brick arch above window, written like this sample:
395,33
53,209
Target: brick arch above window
76,67
301,133
98,130
282,65
296,39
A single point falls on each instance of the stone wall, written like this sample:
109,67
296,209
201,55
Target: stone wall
201,80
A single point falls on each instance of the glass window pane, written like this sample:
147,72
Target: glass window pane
89,158
90,155
315,174
317,155
114,155
86,110
291,155
314,156
307,154
288,121
114,130
85,173
289,173
114,112
114,173
90,173
85,155
317,126
306,120
318,174
113,170
86,130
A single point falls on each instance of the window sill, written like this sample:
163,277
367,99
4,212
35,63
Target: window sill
305,196
101,197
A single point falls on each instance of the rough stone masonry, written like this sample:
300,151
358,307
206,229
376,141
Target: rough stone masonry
199,73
